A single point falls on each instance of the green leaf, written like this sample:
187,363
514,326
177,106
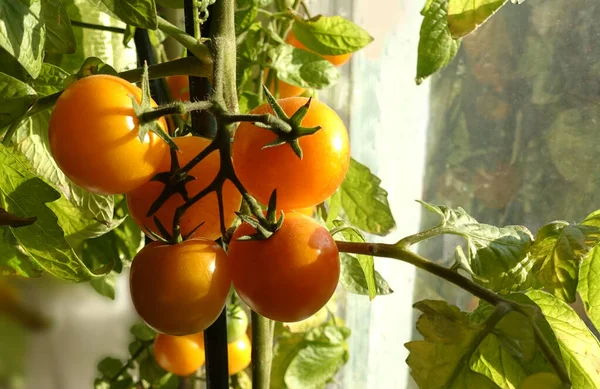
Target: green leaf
302,68
23,194
588,286
436,45
22,33
105,286
138,13
314,366
142,332
558,251
13,260
568,336
496,363
150,371
464,16
245,14
110,367
498,256
441,361
50,80
286,349
353,278
247,101
330,35
31,140
366,262
59,34
364,201
16,98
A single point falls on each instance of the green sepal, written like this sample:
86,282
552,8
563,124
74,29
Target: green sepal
279,112
161,228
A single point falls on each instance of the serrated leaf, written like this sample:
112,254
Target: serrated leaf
568,336
22,33
366,262
496,363
441,361
59,33
31,140
302,68
464,16
105,286
110,367
588,286
558,251
16,98
330,35
497,255
50,80
364,201
13,261
142,332
287,347
24,194
436,45
314,366
138,13
352,277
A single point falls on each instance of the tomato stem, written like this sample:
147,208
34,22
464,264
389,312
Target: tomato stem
262,351
401,252
98,27
200,50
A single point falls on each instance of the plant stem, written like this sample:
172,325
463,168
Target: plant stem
401,252
223,47
98,27
262,351
189,42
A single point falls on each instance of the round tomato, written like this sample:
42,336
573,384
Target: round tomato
204,211
545,380
93,133
180,289
299,182
336,60
289,276
179,87
284,89
237,323
180,355
239,354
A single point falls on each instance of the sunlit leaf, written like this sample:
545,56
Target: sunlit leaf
464,16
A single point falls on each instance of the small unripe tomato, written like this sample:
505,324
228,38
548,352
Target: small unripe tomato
289,276
180,355
93,135
237,323
180,289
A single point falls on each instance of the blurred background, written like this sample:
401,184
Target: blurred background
507,131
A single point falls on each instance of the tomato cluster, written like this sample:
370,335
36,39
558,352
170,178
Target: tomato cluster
179,289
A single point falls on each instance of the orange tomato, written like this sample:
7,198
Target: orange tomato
336,60
179,87
239,354
180,355
289,276
206,210
93,134
300,183
180,289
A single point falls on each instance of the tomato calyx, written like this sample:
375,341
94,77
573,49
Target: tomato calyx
268,226
288,129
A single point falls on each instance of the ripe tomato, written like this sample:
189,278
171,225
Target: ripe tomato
336,60
179,87
206,210
289,276
545,380
239,353
300,183
180,289
284,89
93,135
180,355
